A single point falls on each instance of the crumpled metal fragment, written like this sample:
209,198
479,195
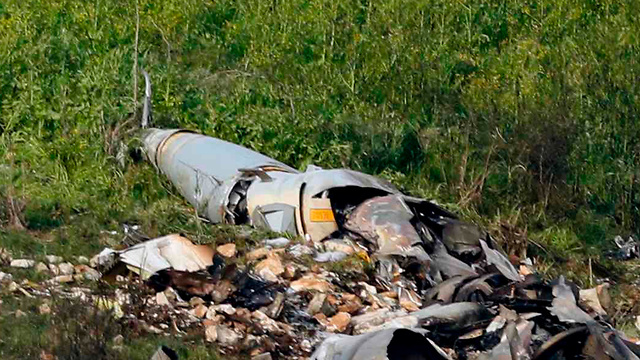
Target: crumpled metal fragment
564,305
386,344
384,221
448,265
171,251
502,264
452,316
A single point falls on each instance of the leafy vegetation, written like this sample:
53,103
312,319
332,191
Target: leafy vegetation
520,114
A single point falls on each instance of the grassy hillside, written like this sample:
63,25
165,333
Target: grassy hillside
523,115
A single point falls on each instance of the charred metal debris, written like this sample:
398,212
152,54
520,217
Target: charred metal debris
436,287
416,281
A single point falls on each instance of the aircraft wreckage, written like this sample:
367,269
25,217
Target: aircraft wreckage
442,288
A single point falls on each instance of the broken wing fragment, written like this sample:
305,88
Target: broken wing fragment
171,251
497,259
386,344
385,222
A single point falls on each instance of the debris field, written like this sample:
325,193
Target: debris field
362,271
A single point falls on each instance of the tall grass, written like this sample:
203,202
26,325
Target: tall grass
494,107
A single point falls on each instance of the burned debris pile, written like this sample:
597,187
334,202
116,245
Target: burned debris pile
365,272
419,283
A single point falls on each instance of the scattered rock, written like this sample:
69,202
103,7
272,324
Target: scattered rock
82,260
265,322
46,356
199,311
61,279
211,333
263,356
5,278
118,340
227,250
87,272
352,304
270,268
19,313
12,286
278,242
289,272
195,301
44,309
310,282
339,322
66,268
5,257
299,250
343,246
41,267
164,353
227,336
22,263
53,259
315,305
55,270
161,299
257,254
224,309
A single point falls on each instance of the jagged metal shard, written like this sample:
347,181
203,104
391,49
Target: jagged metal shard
386,344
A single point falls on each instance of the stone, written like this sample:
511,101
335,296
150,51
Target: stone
289,272
315,305
199,311
20,313
339,322
224,309
257,254
13,286
278,242
161,299
300,250
87,272
82,260
195,301
53,259
263,356
227,250
118,340
55,270
22,263
227,336
44,309
164,353
321,318
363,323
211,333
61,279
265,322
221,291
274,310
66,268
310,282
5,277
351,305
270,268
5,257
46,356
336,245
41,267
